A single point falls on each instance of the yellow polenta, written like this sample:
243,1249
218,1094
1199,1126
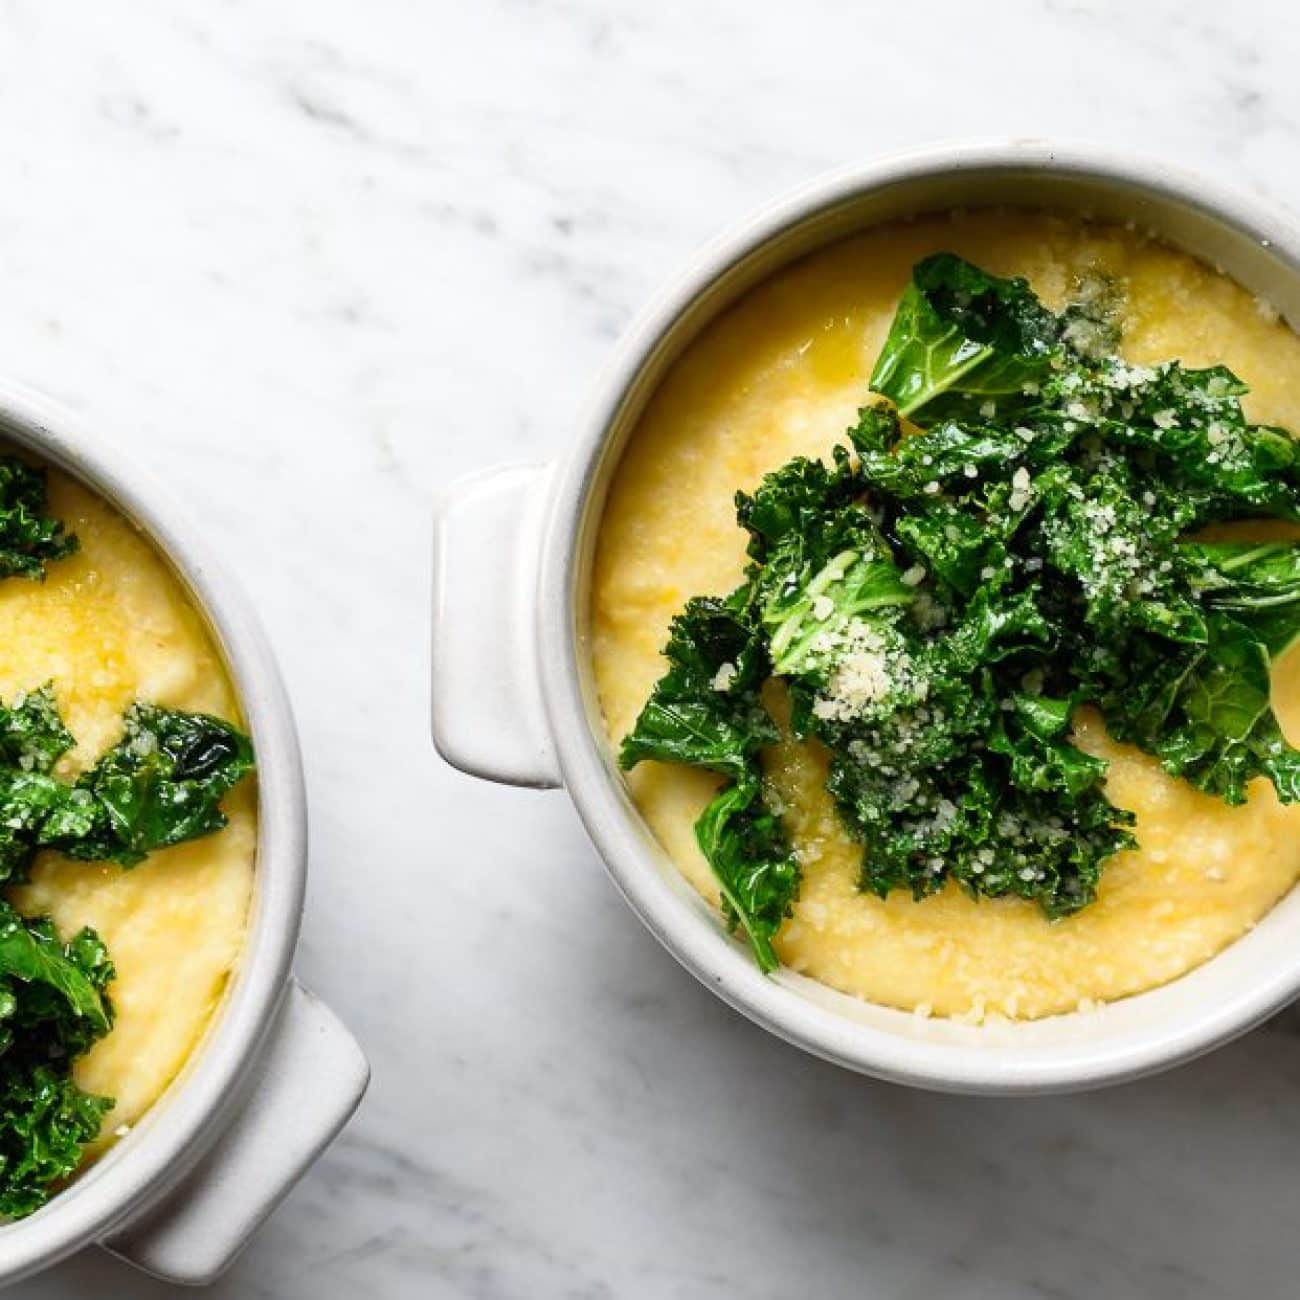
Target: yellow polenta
109,626
782,374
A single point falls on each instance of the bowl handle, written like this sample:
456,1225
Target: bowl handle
488,715
306,1085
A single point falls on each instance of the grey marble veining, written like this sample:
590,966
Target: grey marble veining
313,261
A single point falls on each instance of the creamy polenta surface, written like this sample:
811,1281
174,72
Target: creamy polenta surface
109,626
782,375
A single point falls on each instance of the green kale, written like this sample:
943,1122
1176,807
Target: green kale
29,538
962,338
46,1122
790,503
161,784
757,874
32,735
1221,731
52,1009
1256,583
941,599
60,986
705,710
32,739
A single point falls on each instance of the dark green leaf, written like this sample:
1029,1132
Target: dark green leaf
30,952
755,868
1258,583
32,735
160,785
29,538
52,1009
1228,731
705,710
46,1121
962,339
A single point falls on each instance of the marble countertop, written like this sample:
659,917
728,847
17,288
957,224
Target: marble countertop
313,261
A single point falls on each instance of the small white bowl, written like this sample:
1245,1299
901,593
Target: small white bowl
277,1076
513,697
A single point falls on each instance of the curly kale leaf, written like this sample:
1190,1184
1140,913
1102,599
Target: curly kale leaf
32,735
966,775
1257,583
160,785
46,1122
705,710
962,338
32,739
751,858
789,504
31,953
29,537
52,1009
968,823
1221,731
921,467
953,545
810,616
1104,532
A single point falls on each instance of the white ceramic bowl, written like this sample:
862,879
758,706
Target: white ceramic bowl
512,686
277,1076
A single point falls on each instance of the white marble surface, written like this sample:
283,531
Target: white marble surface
312,260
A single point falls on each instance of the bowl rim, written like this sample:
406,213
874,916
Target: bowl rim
601,800
174,1134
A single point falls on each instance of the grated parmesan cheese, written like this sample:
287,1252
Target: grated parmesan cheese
1020,489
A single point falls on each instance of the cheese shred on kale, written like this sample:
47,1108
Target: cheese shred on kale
160,785
1017,529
